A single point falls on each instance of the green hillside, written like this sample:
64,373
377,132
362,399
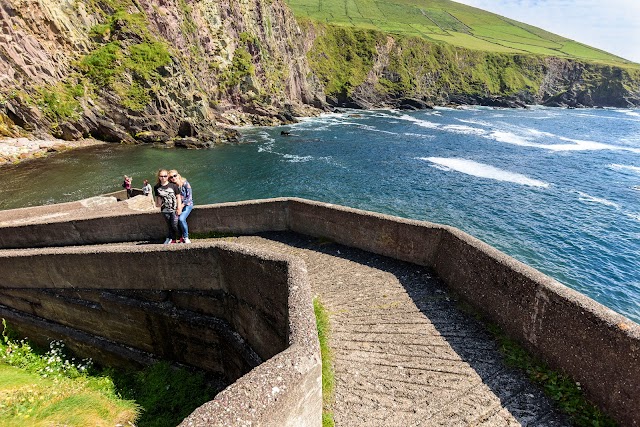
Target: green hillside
449,22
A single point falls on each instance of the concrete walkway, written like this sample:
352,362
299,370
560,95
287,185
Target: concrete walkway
405,355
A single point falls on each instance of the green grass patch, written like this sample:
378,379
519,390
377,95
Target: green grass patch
130,70
60,101
328,378
341,57
53,388
166,394
44,388
437,19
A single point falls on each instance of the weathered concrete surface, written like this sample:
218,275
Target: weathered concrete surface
570,331
286,390
405,354
565,328
123,224
216,306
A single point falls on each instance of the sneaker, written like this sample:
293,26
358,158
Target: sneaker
181,240
168,240
187,240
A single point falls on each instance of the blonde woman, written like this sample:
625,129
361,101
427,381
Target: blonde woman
169,200
187,202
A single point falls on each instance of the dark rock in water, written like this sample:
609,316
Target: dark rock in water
192,143
152,136
285,133
413,104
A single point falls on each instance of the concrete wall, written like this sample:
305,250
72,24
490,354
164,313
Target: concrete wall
219,307
573,333
111,226
597,347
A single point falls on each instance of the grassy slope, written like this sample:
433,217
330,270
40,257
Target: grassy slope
450,22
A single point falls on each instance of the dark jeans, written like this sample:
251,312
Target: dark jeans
129,193
172,225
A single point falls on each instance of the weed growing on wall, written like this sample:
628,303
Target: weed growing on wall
328,379
565,392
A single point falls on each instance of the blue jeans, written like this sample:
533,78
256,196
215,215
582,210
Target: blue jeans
186,210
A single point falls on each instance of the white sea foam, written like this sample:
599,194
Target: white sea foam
635,169
589,198
524,137
266,140
631,113
633,215
422,123
419,135
465,130
482,170
374,129
293,158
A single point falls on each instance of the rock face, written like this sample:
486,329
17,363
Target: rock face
148,71
182,72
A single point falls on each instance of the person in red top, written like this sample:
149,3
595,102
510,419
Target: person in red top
127,186
169,200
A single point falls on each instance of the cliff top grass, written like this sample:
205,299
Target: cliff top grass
453,23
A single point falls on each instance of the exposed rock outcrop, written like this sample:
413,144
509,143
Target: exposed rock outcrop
217,64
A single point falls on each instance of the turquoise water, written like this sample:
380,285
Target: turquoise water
553,188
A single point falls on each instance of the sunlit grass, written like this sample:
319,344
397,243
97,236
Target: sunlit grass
28,398
51,388
449,22
328,379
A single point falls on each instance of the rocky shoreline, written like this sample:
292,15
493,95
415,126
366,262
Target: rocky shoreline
16,150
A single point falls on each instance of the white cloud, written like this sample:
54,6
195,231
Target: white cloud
611,25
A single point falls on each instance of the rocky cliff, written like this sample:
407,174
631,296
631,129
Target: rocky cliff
126,70
182,71
365,69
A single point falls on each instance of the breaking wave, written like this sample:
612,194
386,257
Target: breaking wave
482,170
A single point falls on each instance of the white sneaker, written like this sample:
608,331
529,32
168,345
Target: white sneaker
187,240
167,241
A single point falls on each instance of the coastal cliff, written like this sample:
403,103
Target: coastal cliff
120,70
372,69
183,72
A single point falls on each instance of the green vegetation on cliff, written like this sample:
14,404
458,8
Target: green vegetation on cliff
130,69
449,22
343,57
373,53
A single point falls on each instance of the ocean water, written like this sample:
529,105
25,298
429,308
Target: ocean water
556,189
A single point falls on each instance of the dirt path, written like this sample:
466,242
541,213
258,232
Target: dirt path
405,354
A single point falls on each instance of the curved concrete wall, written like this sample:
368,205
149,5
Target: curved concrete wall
575,334
220,307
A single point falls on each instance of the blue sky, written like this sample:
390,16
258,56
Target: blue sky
611,25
